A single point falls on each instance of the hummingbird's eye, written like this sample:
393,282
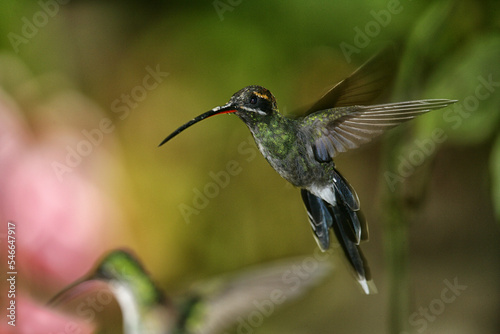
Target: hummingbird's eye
253,99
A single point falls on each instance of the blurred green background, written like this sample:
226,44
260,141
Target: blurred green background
89,61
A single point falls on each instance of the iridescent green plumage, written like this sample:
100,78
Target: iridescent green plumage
124,267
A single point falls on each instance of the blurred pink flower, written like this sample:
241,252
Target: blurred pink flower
59,224
62,226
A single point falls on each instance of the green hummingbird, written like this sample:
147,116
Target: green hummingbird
301,149
207,308
144,308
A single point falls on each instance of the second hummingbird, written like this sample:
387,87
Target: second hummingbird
301,149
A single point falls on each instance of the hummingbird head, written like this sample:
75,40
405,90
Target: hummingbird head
118,265
121,267
252,104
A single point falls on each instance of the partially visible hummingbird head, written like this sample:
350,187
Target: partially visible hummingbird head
117,265
251,104
122,267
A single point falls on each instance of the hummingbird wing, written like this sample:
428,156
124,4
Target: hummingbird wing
75,291
262,289
70,300
340,129
363,86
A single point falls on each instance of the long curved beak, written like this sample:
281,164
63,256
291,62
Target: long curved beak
225,109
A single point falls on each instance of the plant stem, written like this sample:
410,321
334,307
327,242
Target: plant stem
396,217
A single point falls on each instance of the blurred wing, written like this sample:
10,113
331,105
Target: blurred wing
363,86
266,288
341,129
76,291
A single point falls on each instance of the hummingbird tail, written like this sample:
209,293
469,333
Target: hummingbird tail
339,216
343,216
320,218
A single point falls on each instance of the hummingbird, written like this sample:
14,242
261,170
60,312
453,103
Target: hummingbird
208,308
302,148
121,275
